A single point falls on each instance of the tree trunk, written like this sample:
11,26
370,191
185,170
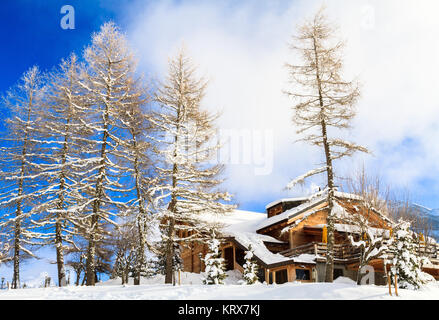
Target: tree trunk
78,277
140,261
169,268
90,269
362,263
59,218
59,242
16,275
91,251
60,256
329,277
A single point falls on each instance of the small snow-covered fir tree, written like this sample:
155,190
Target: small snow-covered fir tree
406,263
215,270
250,267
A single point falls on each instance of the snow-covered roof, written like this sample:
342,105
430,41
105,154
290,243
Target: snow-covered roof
272,204
241,226
292,212
306,258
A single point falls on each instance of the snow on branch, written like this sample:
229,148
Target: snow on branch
301,179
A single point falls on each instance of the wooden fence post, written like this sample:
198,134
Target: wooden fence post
389,282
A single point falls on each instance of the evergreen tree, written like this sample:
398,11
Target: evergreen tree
215,268
406,263
250,267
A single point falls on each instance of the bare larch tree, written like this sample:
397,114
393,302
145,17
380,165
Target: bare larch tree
63,133
20,173
136,154
186,148
110,68
324,101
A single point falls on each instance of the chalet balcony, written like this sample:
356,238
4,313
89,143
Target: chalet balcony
342,252
345,253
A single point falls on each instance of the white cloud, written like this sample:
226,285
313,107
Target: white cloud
392,46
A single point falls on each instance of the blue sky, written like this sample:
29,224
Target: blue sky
31,33
242,47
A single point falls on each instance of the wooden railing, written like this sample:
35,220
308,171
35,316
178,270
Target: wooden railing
348,252
430,250
341,251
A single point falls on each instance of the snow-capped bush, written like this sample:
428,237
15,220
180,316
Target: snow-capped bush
215,270
250,268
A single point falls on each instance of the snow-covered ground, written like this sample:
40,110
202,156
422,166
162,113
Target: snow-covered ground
192,289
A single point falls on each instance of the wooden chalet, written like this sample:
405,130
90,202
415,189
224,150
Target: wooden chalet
288,241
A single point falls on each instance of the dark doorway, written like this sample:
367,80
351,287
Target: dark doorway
302,274
338,273
281,276
239,256
228,256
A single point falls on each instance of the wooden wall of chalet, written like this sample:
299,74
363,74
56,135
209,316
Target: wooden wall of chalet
275,210
191,257
297,237
192,263
272,275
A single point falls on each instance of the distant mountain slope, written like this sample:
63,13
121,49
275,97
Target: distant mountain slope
432,215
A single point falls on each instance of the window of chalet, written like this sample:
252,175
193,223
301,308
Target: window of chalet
302,274
281,276
239,256
261,274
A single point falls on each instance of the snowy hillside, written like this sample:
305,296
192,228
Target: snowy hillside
192,289
433,217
